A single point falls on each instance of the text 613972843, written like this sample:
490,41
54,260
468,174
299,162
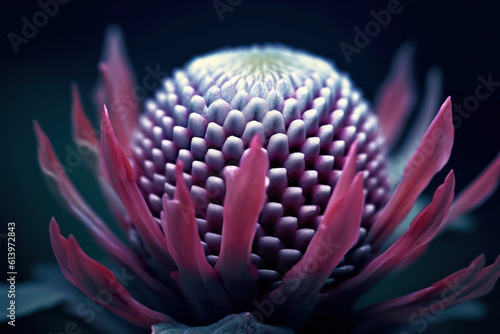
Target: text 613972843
11,272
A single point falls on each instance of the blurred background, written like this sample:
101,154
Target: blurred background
461,38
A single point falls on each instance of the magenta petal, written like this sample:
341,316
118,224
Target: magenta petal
181,230
482,284
396,95
347,176
444,293
416,299
422,229
60,248
85,137
63,189
197,279
339,227
65,192
123,181
119,211
430,157
477,192
466,284
83,132
244,200
119,87
336,234
430,103
463,276
98,282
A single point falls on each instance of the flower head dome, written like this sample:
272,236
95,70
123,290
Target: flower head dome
254,189
306,116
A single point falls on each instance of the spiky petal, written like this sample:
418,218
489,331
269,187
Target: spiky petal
246,193
98,282
430,157
123,182
198,280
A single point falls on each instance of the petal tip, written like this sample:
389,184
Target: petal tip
256,142
36,127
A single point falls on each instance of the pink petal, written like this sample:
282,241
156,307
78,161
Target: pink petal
348,172
60,248
123,182
181,230
396,96
477,192
99,96
119,87
65,192
339,227
99,283
61,186
85,137
482,283
422,229
337,233
425,115
416,299
117,208
196,278
244,200
83,132
429,158
466,284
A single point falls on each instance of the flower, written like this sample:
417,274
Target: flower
254,188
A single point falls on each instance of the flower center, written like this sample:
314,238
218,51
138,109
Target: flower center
267,63
307,114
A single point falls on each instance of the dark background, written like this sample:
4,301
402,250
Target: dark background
461,37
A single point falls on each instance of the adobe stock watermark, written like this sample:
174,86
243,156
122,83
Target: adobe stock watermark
362,38
88,309
421,318
223,6
30,27
482,92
